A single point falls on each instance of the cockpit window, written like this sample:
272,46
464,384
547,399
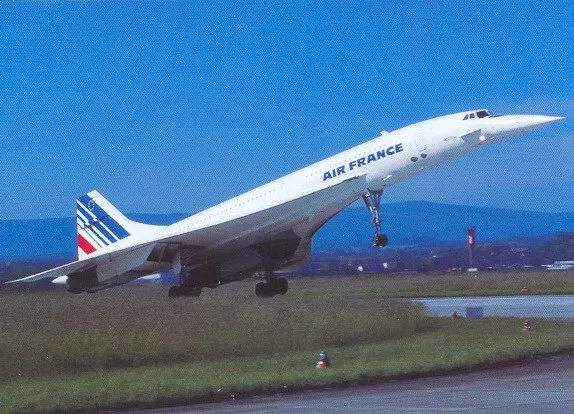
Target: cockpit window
479,114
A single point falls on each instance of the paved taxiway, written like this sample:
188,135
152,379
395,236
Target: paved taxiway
527,306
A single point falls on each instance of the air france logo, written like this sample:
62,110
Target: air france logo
361,162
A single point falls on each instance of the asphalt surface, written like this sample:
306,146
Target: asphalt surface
546,386
527,306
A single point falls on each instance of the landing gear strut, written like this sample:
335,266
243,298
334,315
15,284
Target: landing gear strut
184,289
372,200
272,285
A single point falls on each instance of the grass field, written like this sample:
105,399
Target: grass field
51,333
539,282
132,346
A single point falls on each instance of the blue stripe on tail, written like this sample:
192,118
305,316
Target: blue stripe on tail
97,224
102,217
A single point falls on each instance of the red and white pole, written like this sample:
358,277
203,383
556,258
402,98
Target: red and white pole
471,242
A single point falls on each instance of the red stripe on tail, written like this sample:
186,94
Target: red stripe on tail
85,245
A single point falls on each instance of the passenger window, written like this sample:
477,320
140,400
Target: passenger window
471,116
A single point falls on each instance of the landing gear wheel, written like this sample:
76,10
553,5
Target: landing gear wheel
262,290
273,287
192,292
380,240
174,291
183,291
282,285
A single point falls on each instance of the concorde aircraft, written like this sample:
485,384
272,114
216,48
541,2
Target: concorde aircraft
270,229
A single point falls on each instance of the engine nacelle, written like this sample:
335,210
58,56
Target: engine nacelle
206,276
81,281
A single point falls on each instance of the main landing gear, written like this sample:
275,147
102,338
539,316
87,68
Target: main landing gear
272,285
372,200
184,289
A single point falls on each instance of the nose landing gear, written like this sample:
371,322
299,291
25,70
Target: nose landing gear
372,200
380,240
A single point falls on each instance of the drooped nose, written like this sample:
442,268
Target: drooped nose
527,123
501,127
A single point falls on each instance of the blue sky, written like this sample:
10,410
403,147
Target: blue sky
175,106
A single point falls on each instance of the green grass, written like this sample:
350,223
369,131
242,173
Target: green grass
132,346
442,284
53,333
453,345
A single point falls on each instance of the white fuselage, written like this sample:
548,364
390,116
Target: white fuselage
298,204
225,242
384,161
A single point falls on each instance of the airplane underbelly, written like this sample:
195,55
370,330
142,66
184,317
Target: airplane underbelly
295,220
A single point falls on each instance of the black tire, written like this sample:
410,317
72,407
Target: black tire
282,286
188,291
381,240
194,292
174,292
262,290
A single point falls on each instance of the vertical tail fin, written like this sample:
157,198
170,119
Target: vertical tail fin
100,224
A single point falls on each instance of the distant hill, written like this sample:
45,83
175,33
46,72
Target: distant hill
422,223
408,223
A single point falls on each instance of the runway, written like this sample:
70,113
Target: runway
546,386
527,306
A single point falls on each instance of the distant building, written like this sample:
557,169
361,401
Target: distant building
560,265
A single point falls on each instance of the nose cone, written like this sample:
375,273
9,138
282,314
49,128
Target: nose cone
505,126
529,123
